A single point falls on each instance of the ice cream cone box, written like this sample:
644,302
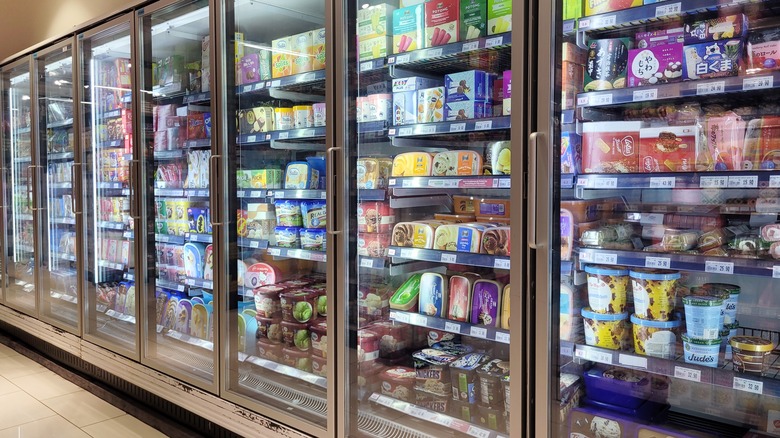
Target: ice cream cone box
668,149
610,147
467,86
374,21
713,59
442,19
408,29
499,16
593,7
473,109
373,48
473,19
655,65
281,59
302,46
318,49
607,64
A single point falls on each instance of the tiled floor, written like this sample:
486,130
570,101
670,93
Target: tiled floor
35,402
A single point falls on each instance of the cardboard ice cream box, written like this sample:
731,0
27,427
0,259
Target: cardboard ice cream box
607,64
473,19
442,20
716,29
281,59
610,147
318,49
374,48
302,46
472,109
374,21
467,85
593,7
499,16
714,59
408,29
668,149
655,65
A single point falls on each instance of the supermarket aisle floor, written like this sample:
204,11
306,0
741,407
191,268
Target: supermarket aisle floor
35,402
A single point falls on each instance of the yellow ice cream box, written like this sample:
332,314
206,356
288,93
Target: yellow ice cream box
374,21
281,60
318,49
499,14
375,48
302,49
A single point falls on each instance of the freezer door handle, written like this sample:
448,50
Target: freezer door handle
330,210
73,185
30,178
132,178
216,213
537,159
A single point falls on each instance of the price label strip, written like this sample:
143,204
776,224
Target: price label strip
690,374
717,87
747,385
713,267
658,262
759,83
594,355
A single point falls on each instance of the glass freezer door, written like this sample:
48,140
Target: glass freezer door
107,153
19,258
181,325
276,132
59,287
662,301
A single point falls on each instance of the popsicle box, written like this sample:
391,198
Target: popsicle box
374,48
408,29
405,98
430,105
572,9
281,59
499,16
318,49
374,21
593,7
473,19
302,45
442,19
716,29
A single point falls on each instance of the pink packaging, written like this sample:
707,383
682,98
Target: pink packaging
655,65
160,140
659,37
249,69
163,112
319,114
725,140
507,84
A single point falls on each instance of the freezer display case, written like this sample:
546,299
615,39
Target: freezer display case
18,173
276,177
106,157
661,294
429,218
59,298
175,111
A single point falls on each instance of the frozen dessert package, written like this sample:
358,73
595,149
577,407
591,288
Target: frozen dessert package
611,147
442,19
430,105
607,64
655,65
412,164
610,331
375,217
716,29
498,158
712,60
457,163
373,244
406,296
763,51
668,149
433,294
725,135
659,37
408,29
486,302
372,173
456,237
473,19
762,144
497,241
460,289
467,86
418,234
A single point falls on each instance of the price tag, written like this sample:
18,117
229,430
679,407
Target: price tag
606,183
478,432
495,41
405,131
583,100
433,53
246,89
469,46
259,85
406,253
452,327
605,259
658,262
567,350
687,374
743,181
208,284
279,194
274,251
504,183
662,182
402,58
748,385
457,127
478,332
483,125
443,420
323,195
651,219
251,138
418,319
502,337
719,267
710,88
643,95
255,194
758,83
600,99
774,181
276,83
428,129
400,317
632,361
594,355
407,183
391,182
254,244
501,264
417,412
283,135
448,258
670,9
308,133
711,182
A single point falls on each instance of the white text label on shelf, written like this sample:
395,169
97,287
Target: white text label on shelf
758,83
417,319
713,267
274,251
712,182
748,385
478,332
632,361
400,317
606,259
254,244
501,264
670,9
687,374
405,131
605,21
658,262
601,99
283,135
366,263
406,253
483,125
582,100
643,95
502,337
504,183
495,41
402,58
662,182
428,129
716,87
775,271
453,327
432,53
594,355
251,139
743,181
457,127
478,432
276,83
605,183
471,45
448,258
774,181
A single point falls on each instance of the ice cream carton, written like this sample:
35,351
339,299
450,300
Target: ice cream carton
472,109
281,59
573,54
302,46
610,147
408,29
716,29
593,7
655,65
571,81
379,107
668,149
572,9
413,83
507,84
374,48
599,423
473,19
318,49
499,16
467,85
442,19
659,37
374,21
571,147
430,105
713,59
607,64
405,108
249,69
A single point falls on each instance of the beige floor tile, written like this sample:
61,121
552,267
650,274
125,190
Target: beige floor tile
19,408
45,385
47,427
125,426
82,408
6,387
7,351
12,367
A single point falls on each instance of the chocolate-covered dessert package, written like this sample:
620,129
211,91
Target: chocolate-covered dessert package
713,59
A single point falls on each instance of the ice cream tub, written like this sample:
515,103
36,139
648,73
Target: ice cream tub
412,164
486,302
457,238
393,338
730,303
655,293
463,410
609,331
750,354
268,350
703,316
303,116
457,163
194,257
460,289
491,389
496,241
372,173
368,346
505,315
299,175
298,306
406,297
463,374
288,213
297,359
431,401
492,418
655,338
312,239
432,372
267,303
415,234
313,213
375,217
726,333
701,351
607,288
287,237
283,118
296,335
318,110
259,274
398,382
270,329
373,245
617,386
433,294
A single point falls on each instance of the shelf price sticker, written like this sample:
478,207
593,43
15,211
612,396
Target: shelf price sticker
743,181
417,319
719,267
406,253
428,129
774,181
405,131
478,432
502,337
658,262
483,125
504,183
448,258
748,385
605,259
469,46
458,127
600,99
501,264
451,327
643,95
274,251
716,87
366,263
687,374
478,332
713,182
594,355
632,361
662,182
283,135
605,183
758,83
775,271
582,100
605,21
670,9
400,317
495,41
403,58
433,53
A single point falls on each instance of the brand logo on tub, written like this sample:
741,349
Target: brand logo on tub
731,306
692,357
625,145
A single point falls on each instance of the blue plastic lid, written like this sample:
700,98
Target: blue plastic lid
655,324
605,270
655,275
587,313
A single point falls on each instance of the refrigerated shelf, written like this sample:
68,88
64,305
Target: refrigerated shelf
452,182
111,144
196,98
289,134
251,194
200,283
196,193
245,242
200,143
171,285
113,114
167,238
110,185
120,316
111,265
453,127
190,340
63,297
61,186
457,327
296,194
301,254
203,238
288,371
460,258
449,50
120,226
703,180
64,220
308,78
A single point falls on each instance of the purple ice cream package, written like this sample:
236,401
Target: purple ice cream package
655,65
486,302
712,60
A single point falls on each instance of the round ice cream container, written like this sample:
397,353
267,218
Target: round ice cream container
703,316
654,293
655,338
730,306
606,330
607,289
750,354
716,292
701,351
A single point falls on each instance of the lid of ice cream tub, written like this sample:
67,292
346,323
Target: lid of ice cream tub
605,270
654,275
588,313
655,324
752,343
703,301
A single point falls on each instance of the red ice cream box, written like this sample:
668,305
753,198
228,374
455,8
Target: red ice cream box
611,147
668,149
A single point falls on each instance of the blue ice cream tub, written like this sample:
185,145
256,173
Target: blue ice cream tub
703,317
701,351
